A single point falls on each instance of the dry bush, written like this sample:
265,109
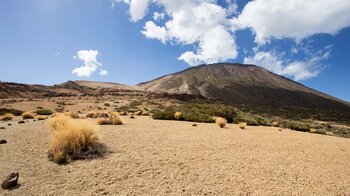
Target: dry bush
242,125
275,124
72,139
7,116
313,130
72,115
101,115
91,114
41,117
178,115
60,122
27,115
113,119
221,122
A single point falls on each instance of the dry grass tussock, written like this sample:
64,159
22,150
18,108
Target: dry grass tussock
73,139
27,115
242,125
221,122
7,116
178,115
113,119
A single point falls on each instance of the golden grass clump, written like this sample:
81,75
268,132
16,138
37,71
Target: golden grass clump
72,139
178,115
41,117
7,116
221,122
113,119
60,122
242,125
27,115
312,130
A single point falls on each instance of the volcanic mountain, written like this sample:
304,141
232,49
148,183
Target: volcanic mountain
244,84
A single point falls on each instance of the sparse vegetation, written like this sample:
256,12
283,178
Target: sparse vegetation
7,117
12,111
178,115
113,119
247,119
242,125
72,139
221,122
43,112
27,115
91,114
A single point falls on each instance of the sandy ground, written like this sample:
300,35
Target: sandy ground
173,158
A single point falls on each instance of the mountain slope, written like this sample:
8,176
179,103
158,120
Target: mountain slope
243,84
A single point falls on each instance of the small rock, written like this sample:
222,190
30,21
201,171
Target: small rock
21,122
34,120
194,125
132,116
2,127
279,129
10,181
9,124
3,141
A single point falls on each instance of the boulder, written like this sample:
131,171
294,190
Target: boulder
10,181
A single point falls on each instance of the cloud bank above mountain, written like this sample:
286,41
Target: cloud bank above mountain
210,27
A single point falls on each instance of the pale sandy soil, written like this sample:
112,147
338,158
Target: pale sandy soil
173,158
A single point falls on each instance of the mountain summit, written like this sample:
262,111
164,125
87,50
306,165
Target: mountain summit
243,84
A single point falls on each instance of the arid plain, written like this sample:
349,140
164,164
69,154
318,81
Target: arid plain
155,157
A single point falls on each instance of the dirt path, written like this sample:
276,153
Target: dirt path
173,158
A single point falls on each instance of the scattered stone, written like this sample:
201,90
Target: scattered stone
9,124
34,120
3,141
132,116
10,181
279,129
194,125
21,122
2,127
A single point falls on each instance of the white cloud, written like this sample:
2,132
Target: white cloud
158,16
216,45
197,22
153,31
137,8
103,72
298,70
89,57
295,19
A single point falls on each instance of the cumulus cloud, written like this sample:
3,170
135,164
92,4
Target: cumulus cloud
295,19
158,16
298,70
196,22
89,57
137,8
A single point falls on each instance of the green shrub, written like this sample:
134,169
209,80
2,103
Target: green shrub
45,112
263,121
12,111
296,126
245,118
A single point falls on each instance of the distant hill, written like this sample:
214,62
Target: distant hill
250,87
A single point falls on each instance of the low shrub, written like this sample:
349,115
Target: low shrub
76,139
91,114
247,119
178,116
12,111
296,126
27,115
113,119
242,125
7,117
263,121
221,122
45,112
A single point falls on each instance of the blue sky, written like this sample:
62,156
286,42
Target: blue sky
132,41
